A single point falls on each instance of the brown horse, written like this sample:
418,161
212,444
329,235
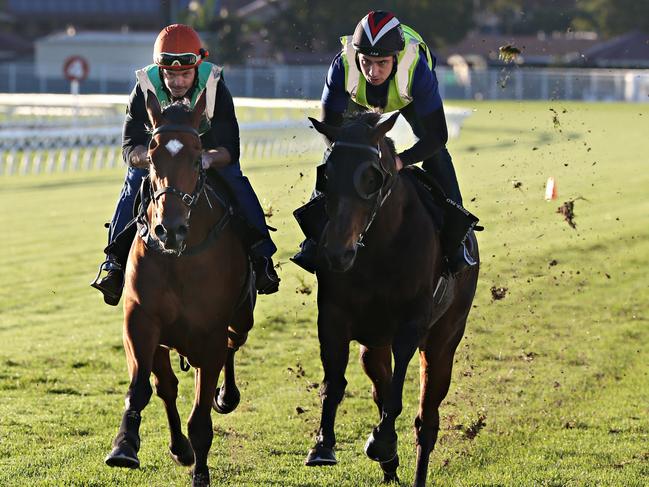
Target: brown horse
187,288
383,287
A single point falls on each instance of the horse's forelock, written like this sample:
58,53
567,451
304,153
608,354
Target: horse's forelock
178,112
355,126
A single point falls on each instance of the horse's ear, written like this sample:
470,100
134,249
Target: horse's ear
199,109
379,131
153,109
330,132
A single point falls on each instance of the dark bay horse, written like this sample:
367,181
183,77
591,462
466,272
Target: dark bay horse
186,288
381,286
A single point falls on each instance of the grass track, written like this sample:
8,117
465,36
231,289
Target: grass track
558,369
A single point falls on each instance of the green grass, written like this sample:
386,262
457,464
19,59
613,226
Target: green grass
558,368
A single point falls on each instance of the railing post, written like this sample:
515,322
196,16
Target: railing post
12,78
249,82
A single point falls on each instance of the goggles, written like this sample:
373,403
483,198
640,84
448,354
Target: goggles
172,60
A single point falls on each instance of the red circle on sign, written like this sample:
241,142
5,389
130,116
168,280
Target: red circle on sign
76,68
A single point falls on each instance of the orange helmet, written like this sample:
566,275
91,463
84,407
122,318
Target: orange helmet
178,47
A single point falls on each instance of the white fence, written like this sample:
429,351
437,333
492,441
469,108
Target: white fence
305,82
57,133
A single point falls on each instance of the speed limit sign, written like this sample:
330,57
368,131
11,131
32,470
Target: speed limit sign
75,68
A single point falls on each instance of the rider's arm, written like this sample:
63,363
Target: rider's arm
334,97
221,141
426,113
135,134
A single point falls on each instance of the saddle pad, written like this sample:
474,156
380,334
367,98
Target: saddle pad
430,193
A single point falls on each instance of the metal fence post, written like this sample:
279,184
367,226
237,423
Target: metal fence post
12,78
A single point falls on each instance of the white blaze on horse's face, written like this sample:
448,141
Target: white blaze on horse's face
174,146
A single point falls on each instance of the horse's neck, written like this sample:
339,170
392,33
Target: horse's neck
207,213
391,218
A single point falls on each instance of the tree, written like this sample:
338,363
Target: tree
224,35
520,17
317,25
613,17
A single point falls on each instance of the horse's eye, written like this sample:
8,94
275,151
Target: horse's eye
371,181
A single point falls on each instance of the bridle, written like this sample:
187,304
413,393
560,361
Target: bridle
384,190
190,200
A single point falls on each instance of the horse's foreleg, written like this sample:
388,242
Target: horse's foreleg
377,364
334,353
166,386
140,343
227,396
200,421
381,446
436,364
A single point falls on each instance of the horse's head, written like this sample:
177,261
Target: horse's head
177,176
359,172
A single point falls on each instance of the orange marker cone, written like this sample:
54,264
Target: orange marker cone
550,189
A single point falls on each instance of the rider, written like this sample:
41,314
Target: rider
179,72
386,66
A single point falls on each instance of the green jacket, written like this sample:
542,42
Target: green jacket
208,78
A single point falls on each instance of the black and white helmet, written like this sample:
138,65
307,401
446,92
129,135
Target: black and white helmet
379,33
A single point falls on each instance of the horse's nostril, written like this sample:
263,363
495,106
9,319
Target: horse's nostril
160,232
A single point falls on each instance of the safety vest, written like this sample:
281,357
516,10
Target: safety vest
208,78
399,89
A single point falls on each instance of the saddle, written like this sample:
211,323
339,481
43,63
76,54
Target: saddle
455,222
215,183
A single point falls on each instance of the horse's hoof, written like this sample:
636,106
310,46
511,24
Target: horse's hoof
123,455
201,479
390,479
223,404
320,456
380,449
182,452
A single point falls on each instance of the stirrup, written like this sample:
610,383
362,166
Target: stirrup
111,296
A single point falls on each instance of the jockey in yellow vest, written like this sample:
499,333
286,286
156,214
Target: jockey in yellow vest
399,87
386,66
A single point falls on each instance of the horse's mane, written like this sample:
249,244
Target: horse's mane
368,119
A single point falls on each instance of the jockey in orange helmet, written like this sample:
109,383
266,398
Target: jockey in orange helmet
180,72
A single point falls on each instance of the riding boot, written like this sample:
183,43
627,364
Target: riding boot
458,222
112,284
312,218
306,257
266,278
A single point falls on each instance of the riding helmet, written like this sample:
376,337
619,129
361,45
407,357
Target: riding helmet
178,39
379,33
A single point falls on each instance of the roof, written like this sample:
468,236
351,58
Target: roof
628,50
100,37
539,49
13,46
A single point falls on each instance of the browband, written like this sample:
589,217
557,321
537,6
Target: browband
172,127
371,148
